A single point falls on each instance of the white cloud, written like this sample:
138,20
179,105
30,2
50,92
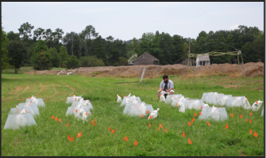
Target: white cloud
233,27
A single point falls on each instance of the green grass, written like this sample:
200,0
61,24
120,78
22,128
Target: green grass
49,137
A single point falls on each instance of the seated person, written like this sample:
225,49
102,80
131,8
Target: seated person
166,87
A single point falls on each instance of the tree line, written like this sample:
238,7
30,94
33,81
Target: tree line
45,48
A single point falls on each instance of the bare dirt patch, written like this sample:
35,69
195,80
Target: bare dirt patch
53,94
153,71
73,89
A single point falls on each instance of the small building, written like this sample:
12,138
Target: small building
184,62
146,59
202,60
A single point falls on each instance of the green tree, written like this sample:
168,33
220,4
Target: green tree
55,57
258,48
38,34
136,46
4,51
25,31
247,50
72,62
12,36
88,34
123,61
16,51
63,54
41,57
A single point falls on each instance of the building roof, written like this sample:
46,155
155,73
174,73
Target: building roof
145,56
203,57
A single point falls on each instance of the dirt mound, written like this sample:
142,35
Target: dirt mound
152,71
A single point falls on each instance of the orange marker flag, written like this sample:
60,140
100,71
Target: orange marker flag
137,107
68,137
232,115
147,111
79,135
250,113
201,107
247,120
241,116
123,96
193,119
52,117
257,102
141,116
56,118
136,143
217,107
189,142
150,116
255,134
195,114
176,104
113,131
165,129
250,131
149,125
183,134
71,139
67,124
76,110
226,126
26,111
200,112
208,123
86,113
160,125
189,123
93,123
158,128
125,138
60,120
250,121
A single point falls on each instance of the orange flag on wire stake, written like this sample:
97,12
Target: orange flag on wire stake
141,116
226,126
176,104
195,114
79,135
149,125
113,131
135,143
67,124
71,139
148,111
160,125
68,137
200,112
257,102
255,134
76,110
93,123
56,118
52,117
193,119
250,121
189,142
247,120
189,123
125,138
60,120
165,130
183,134
241,116
232,115
250,113
150,117
201,107
250,131
158,128
109,129
208,123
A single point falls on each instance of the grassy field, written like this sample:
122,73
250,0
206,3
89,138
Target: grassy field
49,137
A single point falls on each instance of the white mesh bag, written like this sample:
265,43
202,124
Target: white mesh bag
16,121
132,109
176,101
119,99
212,98
34,110
82,113
222,114
170,98
240,101
222,99
213,113
256,106
129,99
197,104
72,99
182,107
37,101
204,96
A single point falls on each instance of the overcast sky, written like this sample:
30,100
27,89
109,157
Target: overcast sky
125,20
